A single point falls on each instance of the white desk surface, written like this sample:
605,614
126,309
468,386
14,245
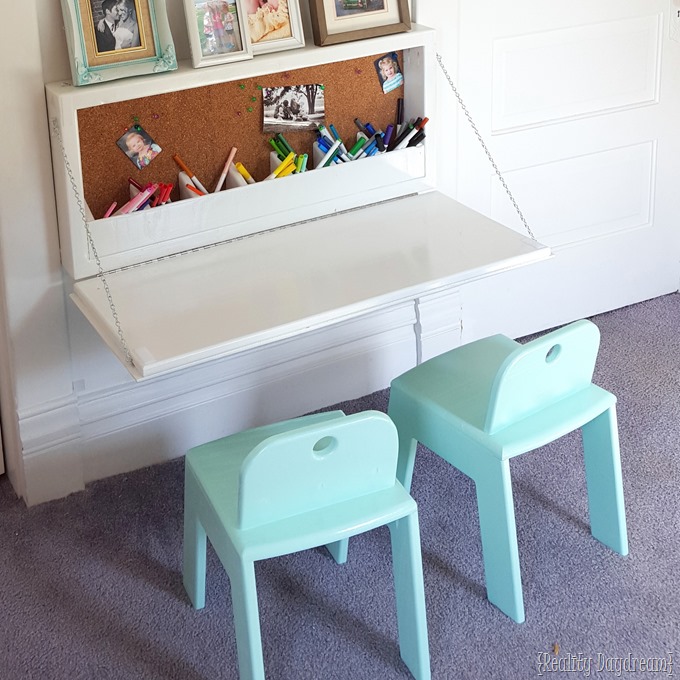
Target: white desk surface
239,295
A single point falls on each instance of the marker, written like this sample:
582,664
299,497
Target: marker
330,155
400,115
357,147
289,160
135,202
284,144
370,129
416,139
165,195
135,184
244,173
191,187
304,163
288,170
278,149
111,208
411,134
298,163
400,137
223,176
388,134
192,177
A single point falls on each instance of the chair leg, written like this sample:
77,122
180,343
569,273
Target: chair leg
603,477
400,412
499,539
339,550
247,621
409,589
193,572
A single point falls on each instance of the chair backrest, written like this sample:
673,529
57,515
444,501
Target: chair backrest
317,466
542,372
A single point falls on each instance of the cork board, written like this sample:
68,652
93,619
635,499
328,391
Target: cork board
202,124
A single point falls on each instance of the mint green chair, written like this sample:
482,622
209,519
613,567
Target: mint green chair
307,482
484,403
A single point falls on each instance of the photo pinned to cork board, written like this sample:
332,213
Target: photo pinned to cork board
293,107
389,72
274,25
338,21
217,31
111,39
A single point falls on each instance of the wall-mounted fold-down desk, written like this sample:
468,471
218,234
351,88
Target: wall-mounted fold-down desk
364,253
189,309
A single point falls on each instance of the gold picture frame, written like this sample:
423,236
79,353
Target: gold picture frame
338,21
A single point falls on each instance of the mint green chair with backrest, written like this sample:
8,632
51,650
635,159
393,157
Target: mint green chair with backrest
486,402
307,482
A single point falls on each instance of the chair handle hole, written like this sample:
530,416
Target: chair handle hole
552,353
324,446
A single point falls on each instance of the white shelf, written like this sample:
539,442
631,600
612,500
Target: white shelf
186,77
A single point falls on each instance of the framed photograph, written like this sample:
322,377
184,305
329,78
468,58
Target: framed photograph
110,39
338,21
274,25
217,31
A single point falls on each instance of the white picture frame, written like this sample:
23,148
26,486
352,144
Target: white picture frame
217,32
151,50
274,28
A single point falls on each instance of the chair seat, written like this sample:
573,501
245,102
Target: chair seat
434,414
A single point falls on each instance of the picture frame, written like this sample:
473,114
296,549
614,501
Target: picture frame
217,31
139,44
274,25
339,21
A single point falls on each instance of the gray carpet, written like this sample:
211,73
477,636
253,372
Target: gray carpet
91,588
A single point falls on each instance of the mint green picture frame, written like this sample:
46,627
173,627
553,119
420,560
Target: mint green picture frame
156,54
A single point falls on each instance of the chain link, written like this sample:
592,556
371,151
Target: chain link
100,270
484,146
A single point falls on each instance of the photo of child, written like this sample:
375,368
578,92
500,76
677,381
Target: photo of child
138,146
389,72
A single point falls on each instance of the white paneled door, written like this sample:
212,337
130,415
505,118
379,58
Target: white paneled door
579,104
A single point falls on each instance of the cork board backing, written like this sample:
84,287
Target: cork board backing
202,124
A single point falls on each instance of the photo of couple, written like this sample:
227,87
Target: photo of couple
115,25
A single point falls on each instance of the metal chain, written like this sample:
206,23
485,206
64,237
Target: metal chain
484,146
100,270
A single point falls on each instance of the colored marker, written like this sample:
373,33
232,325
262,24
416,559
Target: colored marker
244,173
278,149
400,137
137,201
289,160
288,170
412,133
330,155
416,139
304,162
284,144
191,187
165,195
111,208
225,170
388,135
191,175
135,184
357,147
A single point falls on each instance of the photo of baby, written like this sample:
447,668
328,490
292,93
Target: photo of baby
138,146
389,72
